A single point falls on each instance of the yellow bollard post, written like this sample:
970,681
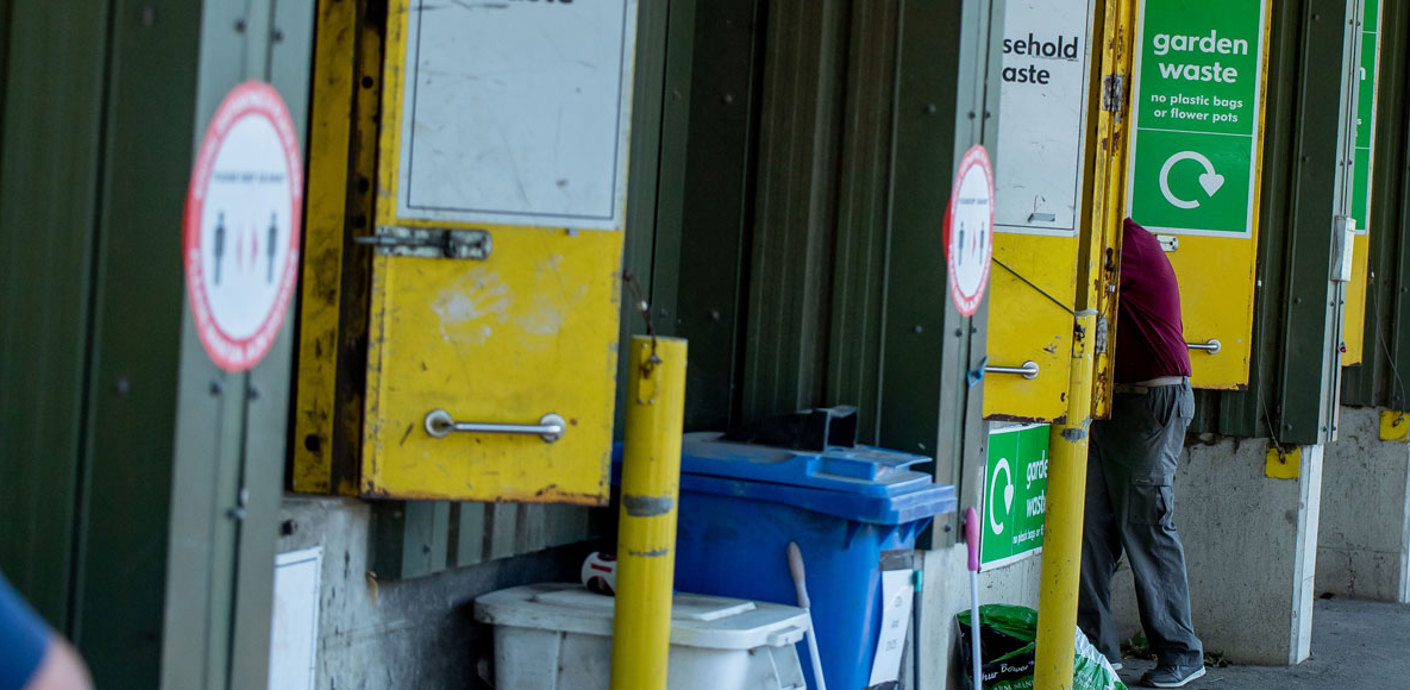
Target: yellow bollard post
646,537
1062,526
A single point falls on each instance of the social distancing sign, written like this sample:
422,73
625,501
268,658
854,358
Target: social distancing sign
241,231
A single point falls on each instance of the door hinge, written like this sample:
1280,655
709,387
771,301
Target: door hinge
434,243
1112,92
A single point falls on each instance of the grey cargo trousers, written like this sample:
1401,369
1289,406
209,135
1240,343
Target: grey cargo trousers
1130,505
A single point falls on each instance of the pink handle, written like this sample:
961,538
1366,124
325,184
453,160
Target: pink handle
971,537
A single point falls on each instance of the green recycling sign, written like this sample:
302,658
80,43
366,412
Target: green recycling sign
1366,115
1015,495
1197,101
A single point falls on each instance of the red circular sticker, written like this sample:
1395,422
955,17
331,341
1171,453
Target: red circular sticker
969,230
242,224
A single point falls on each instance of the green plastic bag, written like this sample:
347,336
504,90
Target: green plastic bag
1008,643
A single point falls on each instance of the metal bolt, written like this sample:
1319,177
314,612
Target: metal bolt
122,387
959,332
971,114
149,16
988,114
236,514
930,109
216,387
287,528
239,26
254,393
728,99
277,36
714,314
917,329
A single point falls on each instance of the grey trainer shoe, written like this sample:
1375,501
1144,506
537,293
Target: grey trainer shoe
1171,676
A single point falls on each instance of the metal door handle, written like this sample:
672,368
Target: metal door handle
1212,347
1029,370
439,424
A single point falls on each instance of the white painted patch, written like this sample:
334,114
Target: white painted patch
293,648
465,305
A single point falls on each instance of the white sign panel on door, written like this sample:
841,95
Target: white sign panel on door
1043,102
514,112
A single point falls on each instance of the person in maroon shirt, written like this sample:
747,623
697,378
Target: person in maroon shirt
1131,467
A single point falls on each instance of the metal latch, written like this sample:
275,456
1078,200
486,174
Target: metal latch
432,243
1111,92
1169,243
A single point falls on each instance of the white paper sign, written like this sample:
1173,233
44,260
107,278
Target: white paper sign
293,640
898,594
1043,103
517,112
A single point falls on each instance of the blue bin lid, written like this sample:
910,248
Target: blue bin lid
861,483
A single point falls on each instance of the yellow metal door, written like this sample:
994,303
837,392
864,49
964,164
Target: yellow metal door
1195,167
495,286
1041,190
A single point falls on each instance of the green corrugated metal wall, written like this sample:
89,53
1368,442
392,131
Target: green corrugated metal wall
99,102
1305,142
1380,380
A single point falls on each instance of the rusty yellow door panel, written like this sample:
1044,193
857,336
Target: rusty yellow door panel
1047,98
1026,326
1216,277
530,331
492,346
1195,171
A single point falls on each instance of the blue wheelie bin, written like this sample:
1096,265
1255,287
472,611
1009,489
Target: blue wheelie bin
854,511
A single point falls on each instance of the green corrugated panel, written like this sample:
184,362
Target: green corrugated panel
136,338
791,263
1292,387
854,346
717,177
53,79
1380,380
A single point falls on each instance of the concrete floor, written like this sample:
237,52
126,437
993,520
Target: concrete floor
1355,644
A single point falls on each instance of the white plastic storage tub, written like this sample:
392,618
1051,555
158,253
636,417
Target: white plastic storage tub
559,637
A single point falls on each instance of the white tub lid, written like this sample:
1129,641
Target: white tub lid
696,620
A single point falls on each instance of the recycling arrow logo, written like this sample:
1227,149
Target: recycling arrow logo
1001,468
1210,180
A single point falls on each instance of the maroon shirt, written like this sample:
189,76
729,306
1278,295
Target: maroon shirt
1150,337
